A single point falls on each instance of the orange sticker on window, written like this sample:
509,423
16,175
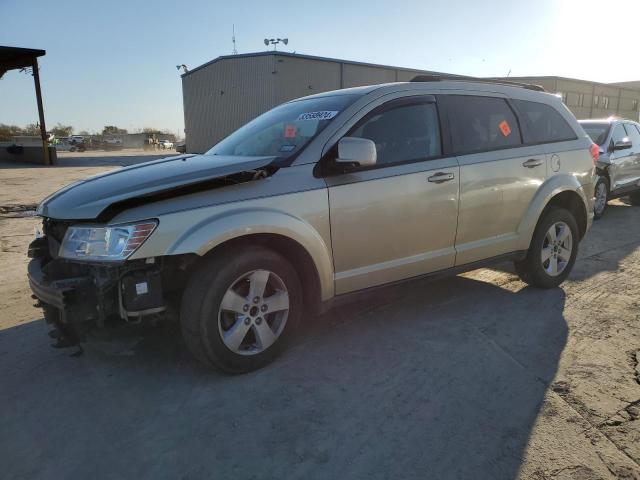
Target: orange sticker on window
290,131
504,128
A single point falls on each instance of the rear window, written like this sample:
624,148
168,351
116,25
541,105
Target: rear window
481,123
543,123
597,131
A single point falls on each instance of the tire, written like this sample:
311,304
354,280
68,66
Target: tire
634,199
600,204
536,272
204,320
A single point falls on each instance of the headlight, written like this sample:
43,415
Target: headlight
105,243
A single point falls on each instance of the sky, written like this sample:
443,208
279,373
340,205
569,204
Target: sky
114,63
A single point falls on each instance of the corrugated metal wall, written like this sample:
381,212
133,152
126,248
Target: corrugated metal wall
581,97
223,96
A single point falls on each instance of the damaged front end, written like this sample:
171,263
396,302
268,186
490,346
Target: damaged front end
76,295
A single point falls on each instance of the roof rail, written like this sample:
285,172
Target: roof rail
462,78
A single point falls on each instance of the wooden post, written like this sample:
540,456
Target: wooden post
43,128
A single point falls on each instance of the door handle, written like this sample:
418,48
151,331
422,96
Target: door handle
532,162
441,177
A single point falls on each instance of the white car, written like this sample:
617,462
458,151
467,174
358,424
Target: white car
166,145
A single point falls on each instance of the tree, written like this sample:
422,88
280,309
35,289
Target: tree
84,133
62,130
33,129
7,132
111,129
157,131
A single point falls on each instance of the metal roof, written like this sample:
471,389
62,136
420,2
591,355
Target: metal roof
12,58
308,57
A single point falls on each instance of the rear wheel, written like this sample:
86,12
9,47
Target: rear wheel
601,196
239,309
553,250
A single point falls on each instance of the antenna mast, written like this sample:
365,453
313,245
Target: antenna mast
233,39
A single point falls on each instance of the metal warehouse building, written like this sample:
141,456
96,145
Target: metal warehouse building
225,93
592,99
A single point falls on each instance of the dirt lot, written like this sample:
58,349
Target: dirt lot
471,377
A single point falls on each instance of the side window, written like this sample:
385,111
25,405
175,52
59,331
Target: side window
618,134
544,123
402,133
633,135
481,123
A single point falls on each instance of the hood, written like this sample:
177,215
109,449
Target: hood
87,199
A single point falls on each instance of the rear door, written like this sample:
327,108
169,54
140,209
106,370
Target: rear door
498,174
634,135
397,219
622,169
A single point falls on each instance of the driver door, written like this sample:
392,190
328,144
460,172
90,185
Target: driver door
397,219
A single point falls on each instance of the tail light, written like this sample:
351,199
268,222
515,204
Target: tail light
595,152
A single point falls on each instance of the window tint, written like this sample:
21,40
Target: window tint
481,123
597,131
402,133
544,123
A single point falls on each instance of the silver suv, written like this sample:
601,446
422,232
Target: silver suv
312,201
618,166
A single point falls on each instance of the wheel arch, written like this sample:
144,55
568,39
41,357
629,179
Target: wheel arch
292,237
570,200
562,191
300,259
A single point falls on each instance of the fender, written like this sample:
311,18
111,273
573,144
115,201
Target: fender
215,230
554,185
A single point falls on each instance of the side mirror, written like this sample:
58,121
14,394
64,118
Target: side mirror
623,144
358,151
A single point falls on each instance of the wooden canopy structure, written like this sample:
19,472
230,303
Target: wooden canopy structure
13,58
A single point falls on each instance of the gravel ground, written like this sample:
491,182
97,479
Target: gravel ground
475,376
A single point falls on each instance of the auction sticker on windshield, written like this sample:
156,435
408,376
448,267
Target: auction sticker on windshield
324,115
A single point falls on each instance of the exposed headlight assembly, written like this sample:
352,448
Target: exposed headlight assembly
116,242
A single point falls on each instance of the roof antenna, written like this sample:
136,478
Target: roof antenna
233,39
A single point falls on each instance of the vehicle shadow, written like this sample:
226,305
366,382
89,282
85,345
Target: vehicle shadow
422,380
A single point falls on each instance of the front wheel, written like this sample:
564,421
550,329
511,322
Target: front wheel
239,309
553,250
601,197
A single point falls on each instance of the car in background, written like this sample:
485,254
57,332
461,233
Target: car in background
618,166
112,143
166,145
181,147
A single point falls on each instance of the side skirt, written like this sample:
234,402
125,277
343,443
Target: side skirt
351,297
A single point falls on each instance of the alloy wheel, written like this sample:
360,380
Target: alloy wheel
253,312
556,249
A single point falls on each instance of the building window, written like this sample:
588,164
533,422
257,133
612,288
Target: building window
581,99
605,102
596,100
634,105
563,96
